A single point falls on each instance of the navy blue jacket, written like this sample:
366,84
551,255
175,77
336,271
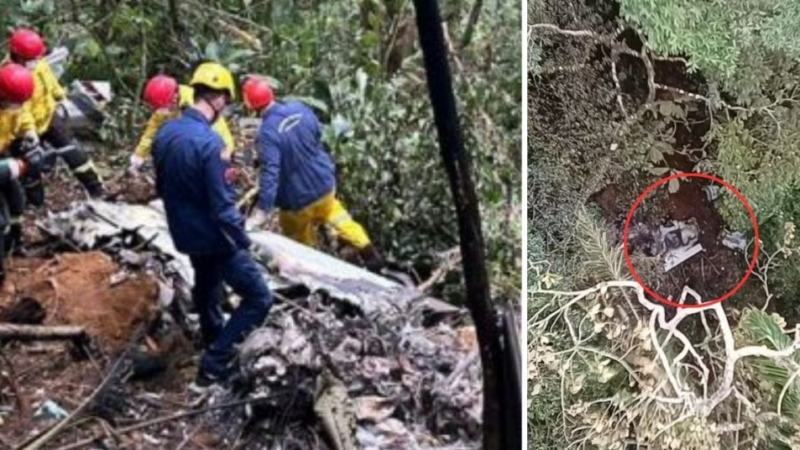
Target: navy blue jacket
296,170
190,179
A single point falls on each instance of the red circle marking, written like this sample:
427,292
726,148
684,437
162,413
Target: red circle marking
667,180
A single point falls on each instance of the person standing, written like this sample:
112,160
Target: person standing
17,130
27,48
167,98
298,175
194,182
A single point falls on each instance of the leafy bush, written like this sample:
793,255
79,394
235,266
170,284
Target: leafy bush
747,46
762,162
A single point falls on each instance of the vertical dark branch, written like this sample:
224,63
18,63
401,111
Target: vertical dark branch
457,164
472,22
175,17
75,15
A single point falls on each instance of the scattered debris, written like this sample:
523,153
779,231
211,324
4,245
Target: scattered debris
675,241
374,408
712,192
735,241
680,242
410,385
50,410
102,224
679,255
336,412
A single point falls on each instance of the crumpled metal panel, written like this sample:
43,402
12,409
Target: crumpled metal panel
322,272
90,223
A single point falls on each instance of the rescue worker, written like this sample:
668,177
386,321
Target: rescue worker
17,129
194,181
298,175
166,98
27,48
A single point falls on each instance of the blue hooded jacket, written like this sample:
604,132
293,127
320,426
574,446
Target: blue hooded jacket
190,179
296,170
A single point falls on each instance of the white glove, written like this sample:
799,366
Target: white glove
137,162
257,220
62,111
31,139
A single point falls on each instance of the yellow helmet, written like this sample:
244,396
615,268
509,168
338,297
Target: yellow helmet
214,76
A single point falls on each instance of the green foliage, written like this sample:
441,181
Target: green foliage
746,45
761,328
601,259
761,160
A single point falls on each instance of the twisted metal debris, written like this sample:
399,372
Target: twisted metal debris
366,366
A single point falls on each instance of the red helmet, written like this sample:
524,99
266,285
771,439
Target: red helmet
161,91
26,44
257,93
16,83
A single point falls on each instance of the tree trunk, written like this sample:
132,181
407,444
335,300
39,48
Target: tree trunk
175,17
472,22
457,163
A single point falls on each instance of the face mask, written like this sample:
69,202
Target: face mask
220,109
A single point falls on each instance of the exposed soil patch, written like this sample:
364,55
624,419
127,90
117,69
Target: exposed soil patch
607,200
84,289
711,273
132,189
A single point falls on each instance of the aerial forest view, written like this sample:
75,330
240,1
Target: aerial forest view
664,196
264,224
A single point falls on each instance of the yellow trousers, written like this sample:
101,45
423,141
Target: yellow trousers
302,225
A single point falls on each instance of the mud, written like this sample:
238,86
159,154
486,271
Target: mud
83,289
137,190
715,271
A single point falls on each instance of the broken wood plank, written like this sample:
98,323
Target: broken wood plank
39,332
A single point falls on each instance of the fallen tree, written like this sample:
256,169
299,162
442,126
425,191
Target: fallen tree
677,387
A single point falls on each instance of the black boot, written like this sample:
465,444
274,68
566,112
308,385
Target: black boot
91,182
372,259
34,192
13,241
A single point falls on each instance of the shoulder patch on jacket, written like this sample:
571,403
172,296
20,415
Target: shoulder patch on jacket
290,122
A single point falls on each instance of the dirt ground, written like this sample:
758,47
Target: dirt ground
86,289
83,289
